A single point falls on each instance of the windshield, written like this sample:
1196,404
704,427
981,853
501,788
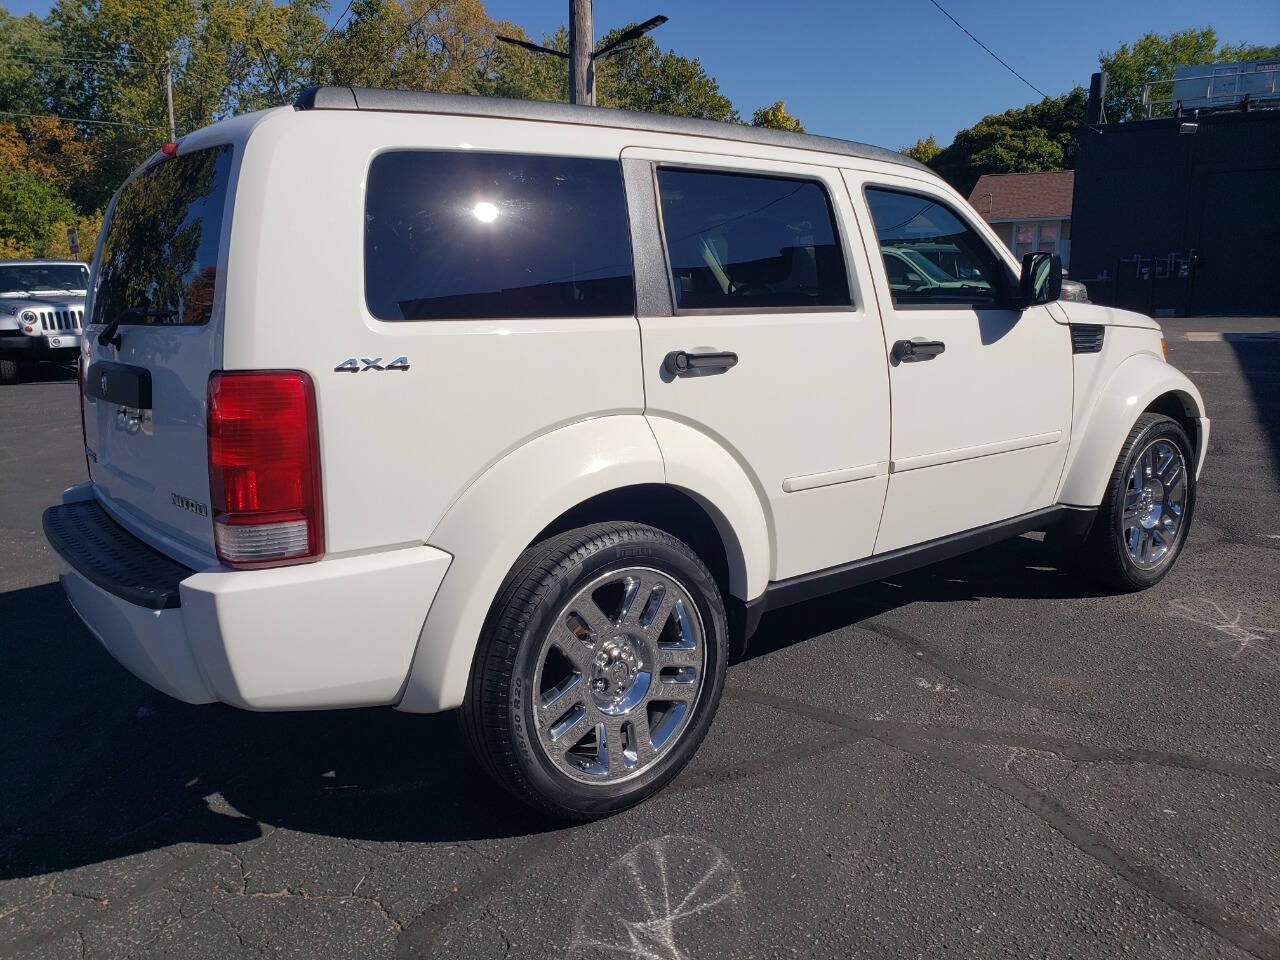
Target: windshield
926,266
159,262
29,277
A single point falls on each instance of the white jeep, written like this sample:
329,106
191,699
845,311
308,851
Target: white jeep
41,312
532,410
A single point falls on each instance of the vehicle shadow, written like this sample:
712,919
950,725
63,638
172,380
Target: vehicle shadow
1021,568
97,766
48,371
1259,363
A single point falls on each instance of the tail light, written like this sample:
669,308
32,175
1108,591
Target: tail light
264,468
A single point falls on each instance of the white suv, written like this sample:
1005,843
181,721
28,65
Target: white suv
533,410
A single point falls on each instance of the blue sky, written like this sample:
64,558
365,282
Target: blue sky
889,72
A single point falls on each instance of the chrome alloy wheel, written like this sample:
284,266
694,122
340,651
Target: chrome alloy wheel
618,675
1155,499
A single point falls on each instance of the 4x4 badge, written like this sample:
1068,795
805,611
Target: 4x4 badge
352,365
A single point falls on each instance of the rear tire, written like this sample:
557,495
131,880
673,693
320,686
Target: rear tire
8,371
599,670
1146,512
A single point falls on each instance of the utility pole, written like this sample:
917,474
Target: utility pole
582,40
582,57
168,95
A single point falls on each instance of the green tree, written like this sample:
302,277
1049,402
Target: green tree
441,45
1153,58
27,49
644,77
775,115
30,211
126,45
1022,140
925,150
522,75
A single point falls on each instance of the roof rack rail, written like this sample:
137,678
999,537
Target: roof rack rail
412,101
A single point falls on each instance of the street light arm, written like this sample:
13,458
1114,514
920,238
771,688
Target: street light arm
532,47
635,33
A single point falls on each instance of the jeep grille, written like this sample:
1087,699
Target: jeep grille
60,319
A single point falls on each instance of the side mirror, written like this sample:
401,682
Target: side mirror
1041,280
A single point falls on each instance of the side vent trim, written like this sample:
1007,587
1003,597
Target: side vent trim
1087,337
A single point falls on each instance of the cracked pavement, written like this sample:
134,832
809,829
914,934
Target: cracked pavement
984,758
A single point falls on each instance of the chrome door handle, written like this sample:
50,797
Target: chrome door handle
912,351
678,363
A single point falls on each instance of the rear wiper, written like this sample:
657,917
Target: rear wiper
109,334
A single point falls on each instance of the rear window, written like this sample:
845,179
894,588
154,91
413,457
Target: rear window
456,235
159,262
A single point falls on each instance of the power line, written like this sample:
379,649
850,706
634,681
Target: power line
325,38
989,50
46,60
55,116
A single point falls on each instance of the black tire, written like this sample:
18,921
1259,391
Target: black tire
8,370
1104,554
498,719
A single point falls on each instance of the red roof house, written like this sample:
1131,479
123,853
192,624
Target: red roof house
1030,211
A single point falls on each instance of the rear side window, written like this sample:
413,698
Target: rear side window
460,235
159,262
743,242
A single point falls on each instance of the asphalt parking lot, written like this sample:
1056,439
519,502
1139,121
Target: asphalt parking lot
985,758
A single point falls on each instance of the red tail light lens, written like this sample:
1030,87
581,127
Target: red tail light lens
264,468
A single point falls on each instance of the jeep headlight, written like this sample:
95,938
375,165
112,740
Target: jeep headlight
28,316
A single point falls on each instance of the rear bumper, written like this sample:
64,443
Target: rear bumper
336,633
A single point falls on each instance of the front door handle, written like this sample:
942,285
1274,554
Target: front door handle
679,363
910,351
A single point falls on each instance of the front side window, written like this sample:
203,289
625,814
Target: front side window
931,256
744,242
455,235
159,262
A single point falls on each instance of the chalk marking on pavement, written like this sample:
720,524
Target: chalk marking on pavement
1263,642
633,908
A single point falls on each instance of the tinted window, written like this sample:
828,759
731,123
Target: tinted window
740,242
931,257
159,260
456,235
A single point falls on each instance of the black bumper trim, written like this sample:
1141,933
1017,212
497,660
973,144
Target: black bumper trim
39,346
110,557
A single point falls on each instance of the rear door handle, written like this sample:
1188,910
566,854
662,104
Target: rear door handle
911,351
678,363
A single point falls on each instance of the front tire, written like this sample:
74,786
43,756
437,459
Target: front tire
8,370
1145,515
599,670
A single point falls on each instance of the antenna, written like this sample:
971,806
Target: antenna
266,62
